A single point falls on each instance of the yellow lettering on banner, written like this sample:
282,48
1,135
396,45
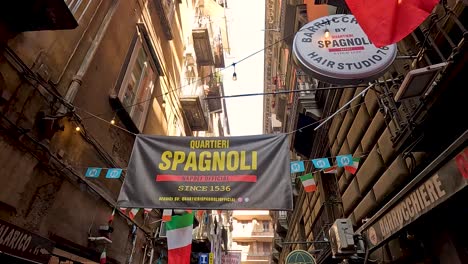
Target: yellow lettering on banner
243,166
208,160
204,164
254,160
165,159
218,161
179,158
232,160
191,162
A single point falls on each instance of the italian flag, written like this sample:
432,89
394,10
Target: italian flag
332,169
353,168
103,258
308,182
167,215
133,213
179,238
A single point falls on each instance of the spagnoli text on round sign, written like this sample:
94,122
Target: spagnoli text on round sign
344,56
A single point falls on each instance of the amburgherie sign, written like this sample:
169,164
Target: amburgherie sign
249,172
344,56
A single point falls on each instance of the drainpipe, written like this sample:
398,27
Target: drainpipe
78,78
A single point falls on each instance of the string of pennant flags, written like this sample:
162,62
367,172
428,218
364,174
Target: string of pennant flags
348,162
166,214
95,172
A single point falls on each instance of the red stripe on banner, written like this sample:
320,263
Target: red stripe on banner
346,49
206,178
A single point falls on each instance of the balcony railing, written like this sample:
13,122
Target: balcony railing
269,233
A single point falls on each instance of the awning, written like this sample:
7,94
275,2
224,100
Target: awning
443,178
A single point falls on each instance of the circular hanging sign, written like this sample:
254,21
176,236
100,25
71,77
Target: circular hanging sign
300,257
336,50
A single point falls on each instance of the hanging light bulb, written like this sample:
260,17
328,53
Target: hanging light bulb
234,75
78,129
112,121
327,33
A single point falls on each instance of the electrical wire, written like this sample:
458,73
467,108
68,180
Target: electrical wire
203,77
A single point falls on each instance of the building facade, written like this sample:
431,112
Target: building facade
252,235
78,81
405,198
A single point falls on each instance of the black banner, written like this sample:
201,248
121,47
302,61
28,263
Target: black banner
18,242
250,172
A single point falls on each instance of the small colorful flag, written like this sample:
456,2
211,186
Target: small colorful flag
308,182
167,215
103,259
330,170
322,163
344,160
354,166
111,218
113,173
200,213
93,172
297,166
179,238
148,210
133,213
123,210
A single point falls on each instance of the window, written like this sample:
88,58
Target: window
266,226
138,84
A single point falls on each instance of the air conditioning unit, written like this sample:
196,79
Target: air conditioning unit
342,238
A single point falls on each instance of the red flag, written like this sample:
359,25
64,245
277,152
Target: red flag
111,218
103,259
388,21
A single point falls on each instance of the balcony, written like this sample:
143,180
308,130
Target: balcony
251,214
260,236
259,257
194,111
202,46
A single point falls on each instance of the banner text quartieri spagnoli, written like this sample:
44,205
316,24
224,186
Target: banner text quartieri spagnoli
250,172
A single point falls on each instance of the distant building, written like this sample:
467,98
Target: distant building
253,235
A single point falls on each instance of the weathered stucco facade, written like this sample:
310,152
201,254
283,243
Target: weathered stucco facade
125,62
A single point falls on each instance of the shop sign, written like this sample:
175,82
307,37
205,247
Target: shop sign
20,243
344,55
447,181
225,173
203,258
300,257
231,257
